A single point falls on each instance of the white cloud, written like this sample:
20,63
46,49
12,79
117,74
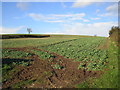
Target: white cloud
69,15
57,17
111,10
10,30
22,5
36,17
84,3
95,18
85,20
81,4
100,29
55,21
54,33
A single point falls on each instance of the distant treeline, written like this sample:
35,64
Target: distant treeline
9,36
114,34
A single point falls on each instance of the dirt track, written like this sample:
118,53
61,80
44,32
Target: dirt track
45,76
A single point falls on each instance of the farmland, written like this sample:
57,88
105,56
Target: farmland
24,42
84,50
59,61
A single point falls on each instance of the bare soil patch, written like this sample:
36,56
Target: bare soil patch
43,75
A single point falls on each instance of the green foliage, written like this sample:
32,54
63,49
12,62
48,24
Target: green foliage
42,54
114,29
82,66
8,71
82,85
110,78
82,49
10,53
22,63
22,83
114,34
33,42
57,66
5,67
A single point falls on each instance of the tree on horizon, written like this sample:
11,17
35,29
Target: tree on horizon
29,30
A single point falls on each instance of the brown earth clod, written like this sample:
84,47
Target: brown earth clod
45,76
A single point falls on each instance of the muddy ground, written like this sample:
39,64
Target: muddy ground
43,75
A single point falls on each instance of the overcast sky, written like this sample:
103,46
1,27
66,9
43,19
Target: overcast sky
77,18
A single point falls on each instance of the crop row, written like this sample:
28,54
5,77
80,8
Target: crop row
84,50
11,53
43,55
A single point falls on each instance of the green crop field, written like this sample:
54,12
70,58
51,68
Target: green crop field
59,61
85,50
28,42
